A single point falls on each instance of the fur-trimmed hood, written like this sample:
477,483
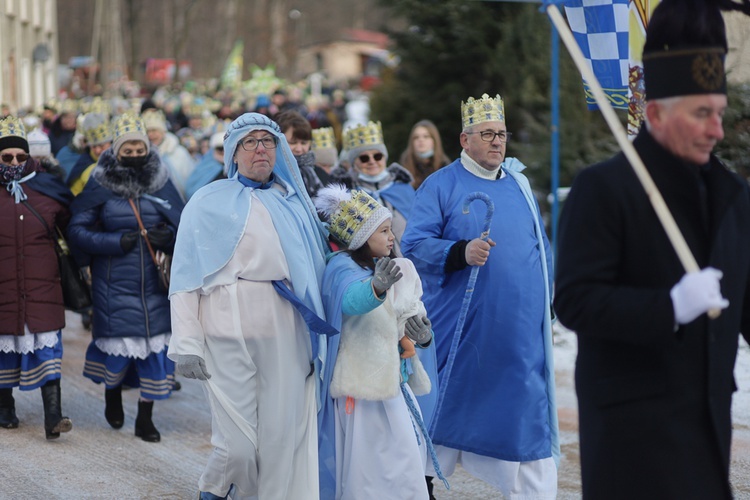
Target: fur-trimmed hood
130,182
400,174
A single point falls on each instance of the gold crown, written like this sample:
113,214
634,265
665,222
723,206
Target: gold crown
52,103
68,106
363,135
486,109
128,123
154,118
323,138
99,134
194,110
12,126
99,105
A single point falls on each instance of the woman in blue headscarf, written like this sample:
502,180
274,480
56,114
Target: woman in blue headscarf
245,295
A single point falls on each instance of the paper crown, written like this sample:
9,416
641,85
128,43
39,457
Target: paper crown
52,104
128,123
97,130
68,106
194,110
99,105
154,118
486,109
363,135
323,138
352,216
12,127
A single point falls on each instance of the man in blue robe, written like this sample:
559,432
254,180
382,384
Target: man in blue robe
497,417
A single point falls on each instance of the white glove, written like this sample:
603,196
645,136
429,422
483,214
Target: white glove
697,293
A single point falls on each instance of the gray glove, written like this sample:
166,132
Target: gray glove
386,274
192,366
419,330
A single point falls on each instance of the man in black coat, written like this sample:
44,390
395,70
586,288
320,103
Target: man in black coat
654,374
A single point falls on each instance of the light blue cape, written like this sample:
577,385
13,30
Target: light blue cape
215,218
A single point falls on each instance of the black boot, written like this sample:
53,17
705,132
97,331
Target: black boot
430,486
113,407
54,422
8,419
144,427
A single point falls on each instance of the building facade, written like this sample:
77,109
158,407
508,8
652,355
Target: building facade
28,52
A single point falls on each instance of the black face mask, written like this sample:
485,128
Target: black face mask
133,161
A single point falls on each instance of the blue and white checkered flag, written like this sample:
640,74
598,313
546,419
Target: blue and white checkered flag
601,29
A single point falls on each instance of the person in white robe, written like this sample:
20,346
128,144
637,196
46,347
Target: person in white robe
380,438
243,242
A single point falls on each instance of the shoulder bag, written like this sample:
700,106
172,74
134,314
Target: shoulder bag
162,260
75,287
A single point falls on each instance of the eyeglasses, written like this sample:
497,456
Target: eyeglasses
251,143
366,158
8,158
489,135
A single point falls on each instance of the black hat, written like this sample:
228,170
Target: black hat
685,48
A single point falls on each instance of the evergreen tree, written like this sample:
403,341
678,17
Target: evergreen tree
453,49
733,149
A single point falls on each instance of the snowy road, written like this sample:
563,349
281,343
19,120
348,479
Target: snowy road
96,462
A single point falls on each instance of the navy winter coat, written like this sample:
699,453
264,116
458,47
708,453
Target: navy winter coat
127,296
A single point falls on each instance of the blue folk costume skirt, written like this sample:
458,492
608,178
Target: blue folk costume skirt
154,374
31,369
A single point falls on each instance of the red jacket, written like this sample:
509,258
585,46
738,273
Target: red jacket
30,291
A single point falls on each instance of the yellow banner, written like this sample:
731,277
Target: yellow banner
640,13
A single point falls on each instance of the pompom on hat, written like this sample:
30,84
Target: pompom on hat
39,144
13,134
216,140
353,216
128,127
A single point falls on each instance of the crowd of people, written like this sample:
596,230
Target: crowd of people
362,327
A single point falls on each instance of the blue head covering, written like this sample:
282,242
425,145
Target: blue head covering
215,218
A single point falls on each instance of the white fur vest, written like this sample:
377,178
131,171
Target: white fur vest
368,361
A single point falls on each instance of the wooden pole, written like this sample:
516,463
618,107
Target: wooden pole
657,201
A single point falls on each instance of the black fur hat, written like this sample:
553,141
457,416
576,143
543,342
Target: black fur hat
686,44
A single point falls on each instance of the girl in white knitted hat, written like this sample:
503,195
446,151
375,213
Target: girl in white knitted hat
370,413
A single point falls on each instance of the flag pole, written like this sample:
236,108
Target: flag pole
657,201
